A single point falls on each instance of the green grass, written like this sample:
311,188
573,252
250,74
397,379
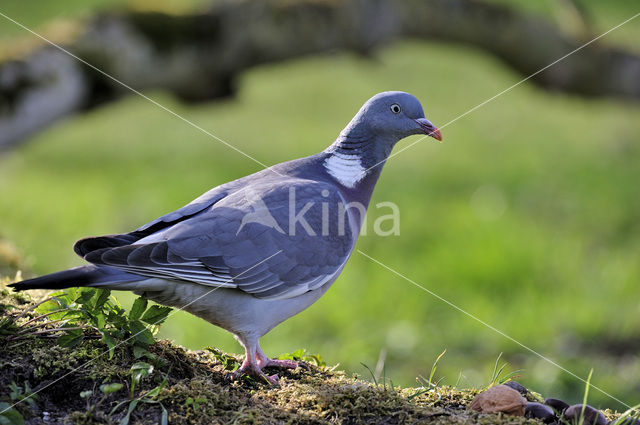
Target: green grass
546,250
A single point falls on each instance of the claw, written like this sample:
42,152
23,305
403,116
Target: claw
254,372
273,379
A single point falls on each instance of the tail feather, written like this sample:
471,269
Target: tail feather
87,245
79,276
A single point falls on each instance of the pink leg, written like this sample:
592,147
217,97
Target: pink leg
264,361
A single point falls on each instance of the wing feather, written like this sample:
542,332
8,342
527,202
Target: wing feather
215,247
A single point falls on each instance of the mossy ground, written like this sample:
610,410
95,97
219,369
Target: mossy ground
197,390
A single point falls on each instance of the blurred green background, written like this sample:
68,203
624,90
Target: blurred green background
527,216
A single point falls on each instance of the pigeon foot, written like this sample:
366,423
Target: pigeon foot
254,363
282,364
264,361
255,372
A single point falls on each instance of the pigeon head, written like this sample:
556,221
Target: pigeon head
367,141
389,117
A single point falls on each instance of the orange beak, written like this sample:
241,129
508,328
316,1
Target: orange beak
429,129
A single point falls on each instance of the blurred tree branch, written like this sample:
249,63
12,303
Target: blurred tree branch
197,56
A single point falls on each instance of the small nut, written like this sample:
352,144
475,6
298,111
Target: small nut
539,411
591,415
518,387
556,404
499,399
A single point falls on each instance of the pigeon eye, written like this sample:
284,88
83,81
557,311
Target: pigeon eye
395,108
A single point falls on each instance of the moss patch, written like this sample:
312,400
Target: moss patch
191,387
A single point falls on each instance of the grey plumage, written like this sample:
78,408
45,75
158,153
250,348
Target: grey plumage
252,252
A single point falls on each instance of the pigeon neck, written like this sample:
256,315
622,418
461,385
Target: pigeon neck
354,159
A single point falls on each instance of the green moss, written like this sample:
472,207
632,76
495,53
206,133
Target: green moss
194,388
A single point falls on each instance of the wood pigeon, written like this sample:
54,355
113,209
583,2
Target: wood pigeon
249,254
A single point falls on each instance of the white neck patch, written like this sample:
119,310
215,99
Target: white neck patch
347,169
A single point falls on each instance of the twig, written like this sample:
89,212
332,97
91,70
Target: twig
40,325
34,306
42,316
46,331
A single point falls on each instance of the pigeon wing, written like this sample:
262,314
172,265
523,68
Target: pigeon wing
298,238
